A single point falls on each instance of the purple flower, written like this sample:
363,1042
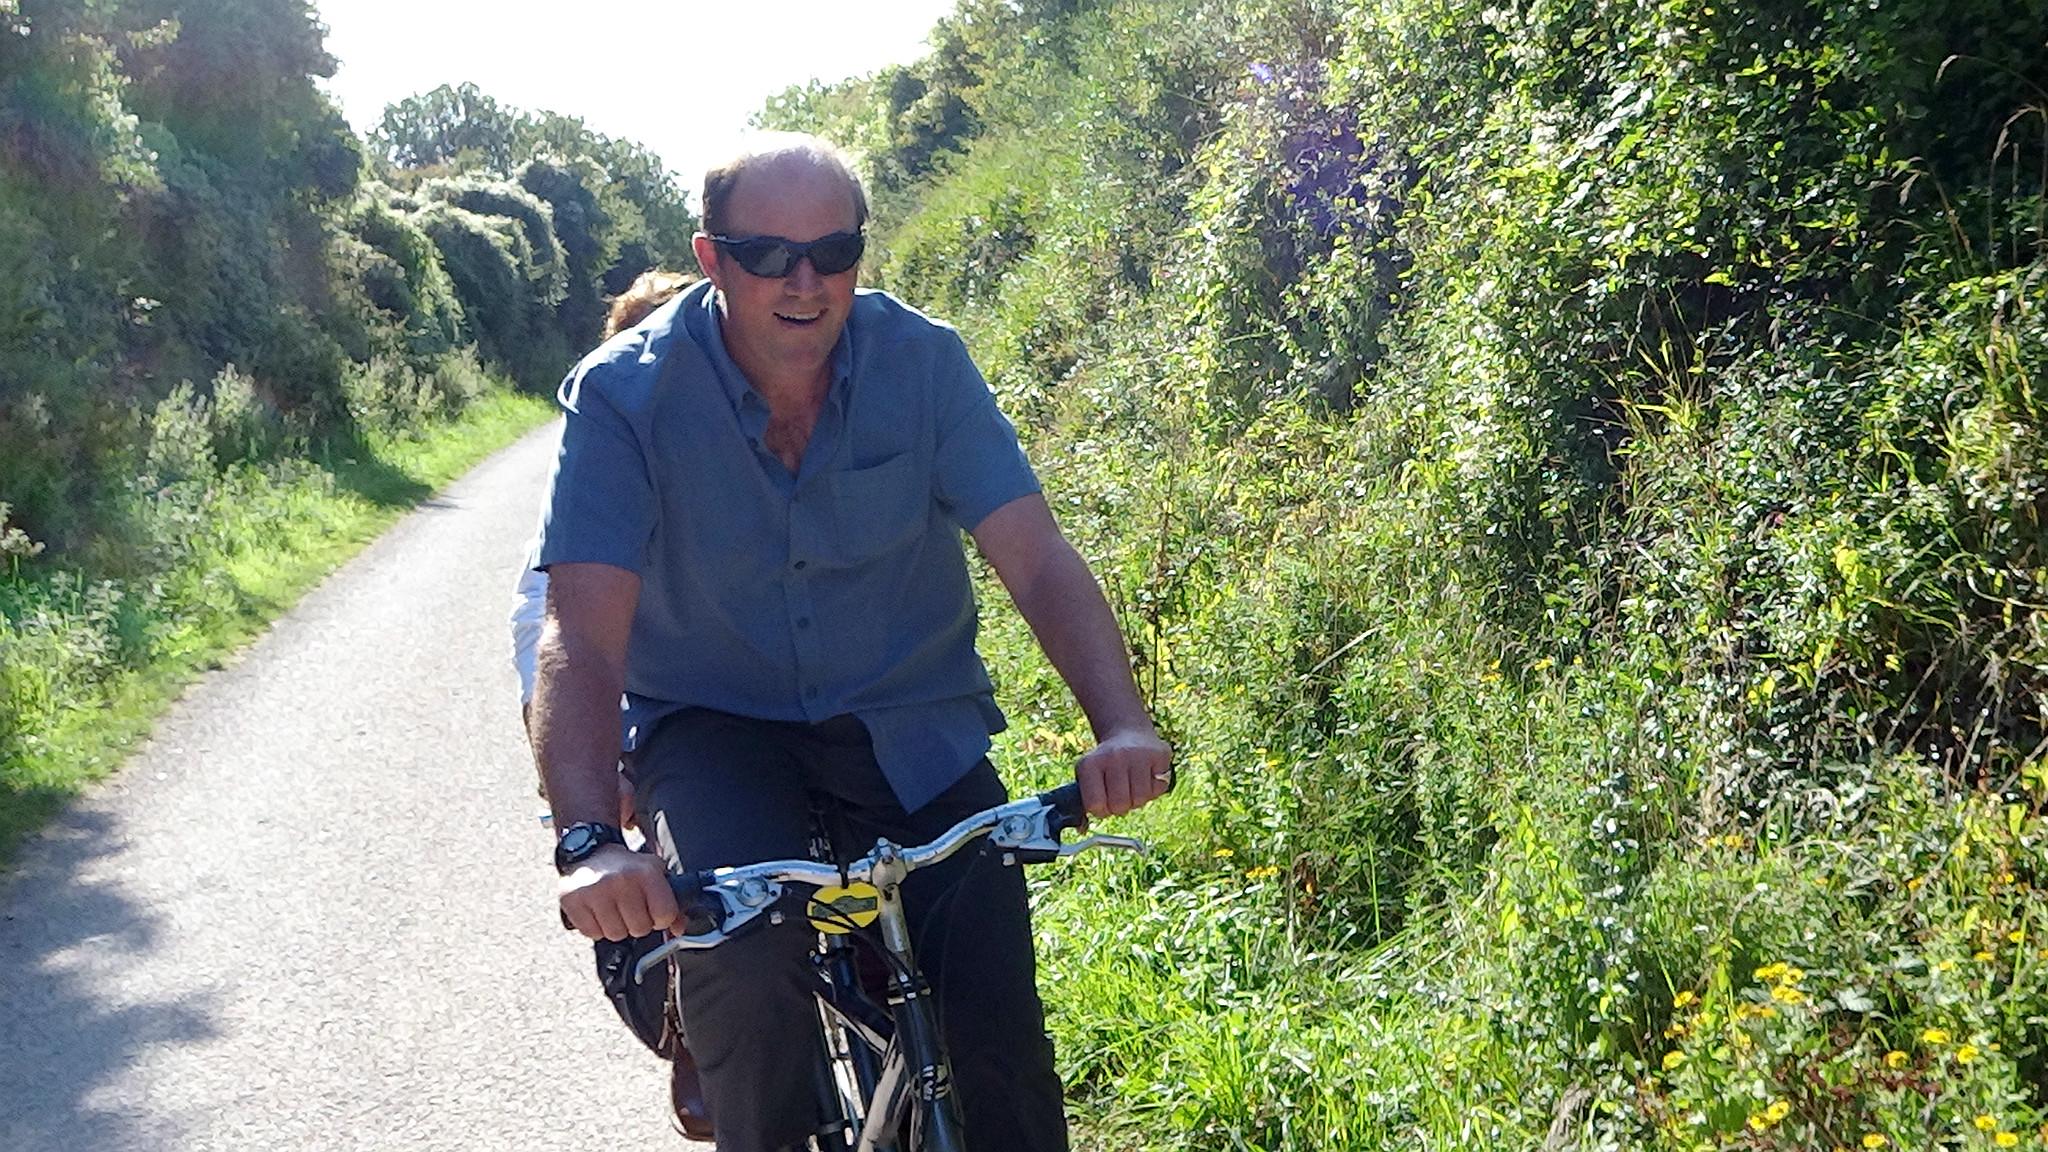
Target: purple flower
1263,73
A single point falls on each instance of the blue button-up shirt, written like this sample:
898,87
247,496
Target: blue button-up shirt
840,589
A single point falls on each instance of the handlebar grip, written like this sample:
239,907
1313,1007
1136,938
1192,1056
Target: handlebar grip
688,887
687,890
1068,811
699,916
1065,800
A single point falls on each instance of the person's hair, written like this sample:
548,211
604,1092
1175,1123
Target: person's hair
765,147
650,290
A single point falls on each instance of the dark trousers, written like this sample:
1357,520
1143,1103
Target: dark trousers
721,790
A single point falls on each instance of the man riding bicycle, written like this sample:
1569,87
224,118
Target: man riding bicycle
753,533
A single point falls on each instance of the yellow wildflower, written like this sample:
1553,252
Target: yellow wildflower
1984,1123
1224,853
1683,999
1674,1030
2005,1140
1673,1059
1934,1036
1770,972
1777,1111
1787,994
1967,1054
1895,1059
1262,872
1873,1140
1793,975
2017,935
1983,957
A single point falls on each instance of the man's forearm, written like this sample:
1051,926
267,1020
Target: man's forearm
575,730
1073,623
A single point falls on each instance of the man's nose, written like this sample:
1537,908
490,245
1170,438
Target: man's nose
804,276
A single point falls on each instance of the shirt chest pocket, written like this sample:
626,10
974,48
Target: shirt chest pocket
877,509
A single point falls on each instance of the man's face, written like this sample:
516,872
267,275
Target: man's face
781,327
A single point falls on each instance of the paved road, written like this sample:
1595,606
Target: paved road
314,912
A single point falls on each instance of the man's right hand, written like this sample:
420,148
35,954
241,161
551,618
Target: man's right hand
617,893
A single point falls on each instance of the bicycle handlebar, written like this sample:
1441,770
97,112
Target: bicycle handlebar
1027,830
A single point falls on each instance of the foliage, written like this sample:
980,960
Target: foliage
573,193
1572,479
201,294
401,273
504,290
539,254
457,126
635,215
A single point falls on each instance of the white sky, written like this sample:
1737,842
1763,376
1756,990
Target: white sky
678,76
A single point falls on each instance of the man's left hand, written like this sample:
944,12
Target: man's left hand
1127,771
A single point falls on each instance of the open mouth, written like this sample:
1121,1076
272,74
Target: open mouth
800,319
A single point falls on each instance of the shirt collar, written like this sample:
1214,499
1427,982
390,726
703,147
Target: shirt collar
704,322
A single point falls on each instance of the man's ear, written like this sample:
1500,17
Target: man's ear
707,259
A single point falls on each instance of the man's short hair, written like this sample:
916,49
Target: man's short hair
763,147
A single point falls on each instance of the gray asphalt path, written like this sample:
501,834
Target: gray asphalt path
315,911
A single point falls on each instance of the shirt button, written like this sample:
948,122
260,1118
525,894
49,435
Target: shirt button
803,622
799,565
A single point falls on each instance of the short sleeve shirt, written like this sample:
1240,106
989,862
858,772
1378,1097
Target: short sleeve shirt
841,589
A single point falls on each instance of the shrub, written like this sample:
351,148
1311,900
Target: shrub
486,261
180,439
407,278
541,260
241,422
587,236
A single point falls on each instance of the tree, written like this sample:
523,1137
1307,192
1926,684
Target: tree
459,126
233,79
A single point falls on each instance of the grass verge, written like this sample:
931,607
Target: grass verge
261,542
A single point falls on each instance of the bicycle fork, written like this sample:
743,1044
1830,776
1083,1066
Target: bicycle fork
936,1111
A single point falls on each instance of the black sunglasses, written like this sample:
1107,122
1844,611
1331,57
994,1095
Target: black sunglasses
774,257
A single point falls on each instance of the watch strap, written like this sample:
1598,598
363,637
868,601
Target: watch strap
579,841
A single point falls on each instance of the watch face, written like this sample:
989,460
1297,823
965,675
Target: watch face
578,841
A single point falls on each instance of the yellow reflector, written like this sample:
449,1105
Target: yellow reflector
841,910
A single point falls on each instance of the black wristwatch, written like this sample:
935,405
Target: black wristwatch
578,841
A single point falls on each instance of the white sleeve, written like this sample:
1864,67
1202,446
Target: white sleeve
527,611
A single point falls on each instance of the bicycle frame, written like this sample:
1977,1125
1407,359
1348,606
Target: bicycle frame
912,1071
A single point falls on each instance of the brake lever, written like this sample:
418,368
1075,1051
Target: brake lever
742,902
673,945
1025,830
1105,840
